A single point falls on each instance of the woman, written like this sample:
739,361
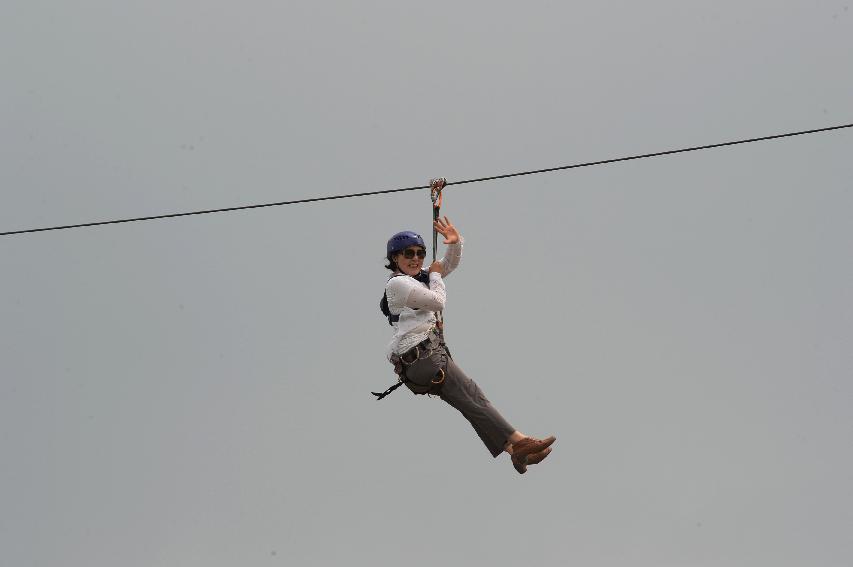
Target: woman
417,350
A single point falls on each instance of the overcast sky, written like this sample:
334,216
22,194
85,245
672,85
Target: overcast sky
195,391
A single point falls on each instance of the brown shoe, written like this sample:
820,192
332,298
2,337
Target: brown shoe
537,458
530,445
522,450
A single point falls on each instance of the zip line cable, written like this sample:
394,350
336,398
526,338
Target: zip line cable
386,191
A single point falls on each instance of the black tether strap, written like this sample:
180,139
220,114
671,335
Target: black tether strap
388,391
435,211
436,186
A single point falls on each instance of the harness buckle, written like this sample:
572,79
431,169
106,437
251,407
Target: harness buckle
415,359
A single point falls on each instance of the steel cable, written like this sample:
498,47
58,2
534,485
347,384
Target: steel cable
401,189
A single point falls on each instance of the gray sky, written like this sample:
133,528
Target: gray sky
195,392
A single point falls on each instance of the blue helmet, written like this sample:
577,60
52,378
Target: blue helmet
403,240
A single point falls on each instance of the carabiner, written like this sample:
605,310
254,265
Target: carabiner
440,380
435,187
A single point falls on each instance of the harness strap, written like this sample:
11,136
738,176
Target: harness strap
435,187
388,391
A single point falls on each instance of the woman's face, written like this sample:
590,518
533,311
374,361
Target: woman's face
411,260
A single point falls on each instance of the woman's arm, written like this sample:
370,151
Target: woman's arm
453,239
433,298
451,258
415,295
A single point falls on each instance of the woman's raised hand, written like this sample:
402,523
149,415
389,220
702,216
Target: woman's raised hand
447,230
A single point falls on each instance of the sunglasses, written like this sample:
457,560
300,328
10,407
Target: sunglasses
410,253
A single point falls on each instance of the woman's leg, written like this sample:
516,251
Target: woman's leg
466,396
463,394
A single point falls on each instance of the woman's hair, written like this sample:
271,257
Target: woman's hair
391,265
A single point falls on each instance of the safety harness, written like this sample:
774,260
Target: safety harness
424,349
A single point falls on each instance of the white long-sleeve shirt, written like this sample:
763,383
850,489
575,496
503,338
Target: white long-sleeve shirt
416,303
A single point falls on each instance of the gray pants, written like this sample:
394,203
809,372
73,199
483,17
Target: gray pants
463,394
